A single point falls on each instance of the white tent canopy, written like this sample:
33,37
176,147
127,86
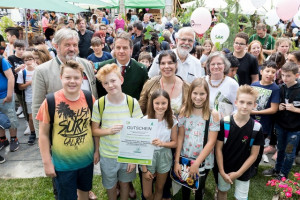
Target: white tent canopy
246,6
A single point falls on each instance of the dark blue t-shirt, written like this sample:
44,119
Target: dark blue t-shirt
95,59
3,79
267,94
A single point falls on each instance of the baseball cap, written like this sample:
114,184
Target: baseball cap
109,40
168,25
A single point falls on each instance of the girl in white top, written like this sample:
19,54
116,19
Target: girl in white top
159,107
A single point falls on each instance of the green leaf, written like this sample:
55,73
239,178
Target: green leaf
160,39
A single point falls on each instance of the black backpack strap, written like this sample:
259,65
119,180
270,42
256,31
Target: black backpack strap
89,99
1,69
206,132
51,109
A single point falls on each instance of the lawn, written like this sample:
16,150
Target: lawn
41,188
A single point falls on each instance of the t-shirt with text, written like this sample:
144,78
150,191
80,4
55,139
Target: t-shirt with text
73,146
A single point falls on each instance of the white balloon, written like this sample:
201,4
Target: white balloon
297,19
295,30
271,18
219,33
200,20
258,3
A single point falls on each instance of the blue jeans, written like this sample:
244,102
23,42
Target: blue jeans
287,146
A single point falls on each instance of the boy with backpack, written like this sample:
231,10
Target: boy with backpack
65,118
12,34
24,81
238,143
108,114
287,123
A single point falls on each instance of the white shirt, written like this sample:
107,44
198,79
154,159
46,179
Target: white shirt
28,90
219,97
188,70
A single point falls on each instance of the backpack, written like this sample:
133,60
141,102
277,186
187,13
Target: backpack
51,108
1,70
256,128
101,106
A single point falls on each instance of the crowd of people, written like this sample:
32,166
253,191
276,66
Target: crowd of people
78,81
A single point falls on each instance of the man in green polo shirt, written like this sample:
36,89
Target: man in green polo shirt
266,40
135,74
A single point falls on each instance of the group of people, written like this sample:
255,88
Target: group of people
75,101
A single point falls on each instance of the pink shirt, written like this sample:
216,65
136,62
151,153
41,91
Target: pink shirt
45,22
119,23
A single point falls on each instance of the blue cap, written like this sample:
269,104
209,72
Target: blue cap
168,25
110,40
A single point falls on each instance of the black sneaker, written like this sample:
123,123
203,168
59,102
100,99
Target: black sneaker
2,160
31,140
14,144
3,143
280,176
270,172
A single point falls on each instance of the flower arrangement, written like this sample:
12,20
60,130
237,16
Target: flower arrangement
287,188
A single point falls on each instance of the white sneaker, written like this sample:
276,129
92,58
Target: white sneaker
265,158
20,110
27,131
267,142
21,116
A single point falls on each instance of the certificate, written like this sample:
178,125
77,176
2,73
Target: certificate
135,141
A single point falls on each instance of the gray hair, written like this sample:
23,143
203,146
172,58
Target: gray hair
64,34
220,55
186,30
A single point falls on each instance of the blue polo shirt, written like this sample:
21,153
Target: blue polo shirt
3,79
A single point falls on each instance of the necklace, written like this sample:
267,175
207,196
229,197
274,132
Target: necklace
162,86
215,86
197,107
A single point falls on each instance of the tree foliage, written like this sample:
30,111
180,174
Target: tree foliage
5,22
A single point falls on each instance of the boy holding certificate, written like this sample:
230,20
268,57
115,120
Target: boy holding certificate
108,113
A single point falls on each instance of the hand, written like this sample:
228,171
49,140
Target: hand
116,129
282,106
96,157
29,82
194,171
148,176
290,107
130,167
49,170
177,169
7,99
233,175
227,178
143,48
157,142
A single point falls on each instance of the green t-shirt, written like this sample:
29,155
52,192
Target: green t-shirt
267,42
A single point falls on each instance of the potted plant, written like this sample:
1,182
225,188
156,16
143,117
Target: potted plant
286,188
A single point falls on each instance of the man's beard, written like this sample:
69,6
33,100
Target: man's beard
73,57
183,52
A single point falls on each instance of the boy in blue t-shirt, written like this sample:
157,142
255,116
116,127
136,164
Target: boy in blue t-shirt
287,123
267,104
98,55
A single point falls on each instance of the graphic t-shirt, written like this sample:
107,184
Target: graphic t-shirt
20,80
194,127
34,24
15,62
237,148
73,146
113,114
267,94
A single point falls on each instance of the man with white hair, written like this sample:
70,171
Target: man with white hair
46,78
146,21
188,67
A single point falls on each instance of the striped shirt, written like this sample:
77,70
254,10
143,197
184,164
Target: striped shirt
113,114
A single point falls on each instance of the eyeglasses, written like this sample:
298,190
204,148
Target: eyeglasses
186,40
239,44
216,64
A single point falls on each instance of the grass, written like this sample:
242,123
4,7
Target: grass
41,188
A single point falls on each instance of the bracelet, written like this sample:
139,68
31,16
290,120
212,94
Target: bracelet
145,171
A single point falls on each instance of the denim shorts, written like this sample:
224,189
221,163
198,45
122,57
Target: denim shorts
241,187
9,110
67,182
112,172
